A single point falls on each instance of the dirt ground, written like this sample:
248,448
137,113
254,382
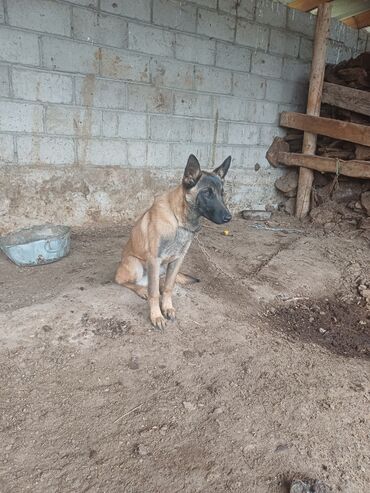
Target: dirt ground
263,378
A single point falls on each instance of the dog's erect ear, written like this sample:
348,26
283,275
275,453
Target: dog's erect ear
192,172
223,169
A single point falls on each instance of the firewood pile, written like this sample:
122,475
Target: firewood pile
355,74
341,162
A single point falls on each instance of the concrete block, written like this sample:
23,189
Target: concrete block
132,125
297,108
69,120
4,81
233,57
284,43
296,70
306,49
267,65
100,93
362,40
216,25
102,152
158,155
237,154
85,3
46,16
337,52
255,155
261,112
181,152
229,108
150,40
204,131
20,117
42,86
286,92
149,98
175,14
301,22
191,104
243,134
137,152
19,47
268,133
242,8
271,13
249,86
45,150
121,64
170,129
99,28
194,49
70,56
172,74
2,16
252,34
6,149
212,4
110,124
136,9
212,80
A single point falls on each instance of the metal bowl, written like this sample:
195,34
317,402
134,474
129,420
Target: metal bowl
37,245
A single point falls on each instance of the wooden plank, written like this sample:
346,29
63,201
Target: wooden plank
306,5
277,154
359,21
346,98
313,105
337,129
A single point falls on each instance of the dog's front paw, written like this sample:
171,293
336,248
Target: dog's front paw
158,322
169,313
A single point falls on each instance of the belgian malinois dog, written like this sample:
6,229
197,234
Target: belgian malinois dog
161,237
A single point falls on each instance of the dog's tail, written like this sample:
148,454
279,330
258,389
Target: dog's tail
185,279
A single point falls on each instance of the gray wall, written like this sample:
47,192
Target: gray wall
102,101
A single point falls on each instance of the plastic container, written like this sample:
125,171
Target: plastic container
37,245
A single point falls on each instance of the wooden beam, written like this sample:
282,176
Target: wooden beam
277,154
313,105
337,129
306,5
347,98
359,21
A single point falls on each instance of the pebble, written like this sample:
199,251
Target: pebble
189,406
322,331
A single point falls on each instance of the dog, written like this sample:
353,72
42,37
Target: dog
162,236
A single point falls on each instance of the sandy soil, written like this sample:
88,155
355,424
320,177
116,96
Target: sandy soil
263,378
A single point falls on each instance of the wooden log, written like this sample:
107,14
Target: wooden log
278,154
362,152
313,105
337,129
346,98
359,21
354,74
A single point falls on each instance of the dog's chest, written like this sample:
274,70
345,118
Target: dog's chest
175,247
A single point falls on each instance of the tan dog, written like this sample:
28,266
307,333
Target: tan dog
161,237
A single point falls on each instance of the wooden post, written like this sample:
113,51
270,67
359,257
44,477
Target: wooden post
313,105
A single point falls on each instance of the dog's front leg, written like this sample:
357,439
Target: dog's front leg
172,271
156,316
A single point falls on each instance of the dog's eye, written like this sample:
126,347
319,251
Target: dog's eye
209,192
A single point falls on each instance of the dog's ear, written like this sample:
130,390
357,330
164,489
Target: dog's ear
192,172
223,169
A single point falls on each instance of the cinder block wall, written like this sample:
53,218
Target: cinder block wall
102,101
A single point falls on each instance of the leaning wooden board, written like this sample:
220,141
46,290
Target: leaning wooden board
337,129
278,153
346,98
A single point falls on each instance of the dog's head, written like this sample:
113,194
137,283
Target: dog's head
204,190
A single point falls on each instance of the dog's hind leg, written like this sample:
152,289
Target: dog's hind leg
129,274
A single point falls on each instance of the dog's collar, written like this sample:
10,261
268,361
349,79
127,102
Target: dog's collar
192,230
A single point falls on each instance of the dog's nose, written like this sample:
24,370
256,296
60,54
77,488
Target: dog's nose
227,217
